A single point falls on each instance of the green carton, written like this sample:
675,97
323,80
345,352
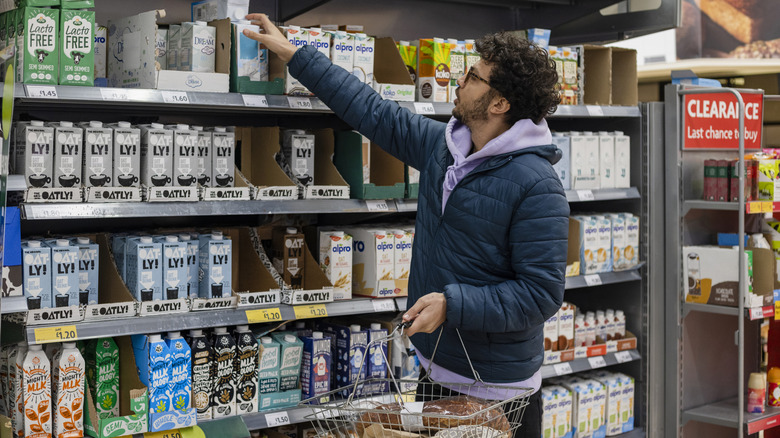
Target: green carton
77,4
38,3
386,171
39,35
77,61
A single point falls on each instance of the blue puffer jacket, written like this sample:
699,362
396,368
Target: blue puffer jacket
499,250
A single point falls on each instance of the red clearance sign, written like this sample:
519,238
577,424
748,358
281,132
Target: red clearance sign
712,121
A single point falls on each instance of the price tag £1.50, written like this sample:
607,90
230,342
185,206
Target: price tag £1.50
274,419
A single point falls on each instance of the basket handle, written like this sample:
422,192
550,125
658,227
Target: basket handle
477,378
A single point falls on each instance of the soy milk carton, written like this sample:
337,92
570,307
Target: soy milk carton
67,154
342,50
98,154
127,155
38,153
247,364
622,160
223,400
102,357
203,172
402,254
589,244
37,39
336,262
433,81
161,49
563,166
36,275
68,369
154,361
65,273
297,37
373,256
203,371
77,61
198,47
315,373
36,382
223,164
268,372
606,160
320,40
89,269
180,384
291,351
144,272
185,154
156,155
214,266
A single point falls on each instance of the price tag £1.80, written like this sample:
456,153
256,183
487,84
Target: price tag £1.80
424,108
299,102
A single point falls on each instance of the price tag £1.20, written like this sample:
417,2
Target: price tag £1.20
62,333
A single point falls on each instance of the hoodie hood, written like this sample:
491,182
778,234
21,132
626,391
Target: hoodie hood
523,134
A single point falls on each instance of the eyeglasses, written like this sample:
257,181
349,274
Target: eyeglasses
470,74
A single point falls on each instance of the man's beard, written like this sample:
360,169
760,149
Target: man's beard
478,112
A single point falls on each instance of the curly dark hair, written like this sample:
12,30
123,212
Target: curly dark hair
523,73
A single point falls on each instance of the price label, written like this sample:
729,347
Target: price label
277,419
767,207
310,311
255,100
623,356
424,108
175,97
585,195
756,313
597,362
377,206
114,94
263,315
299,102
594,110
62,333
562,369
42,91
173,433
386,305
593,280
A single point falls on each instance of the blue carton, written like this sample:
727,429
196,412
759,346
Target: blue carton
215,266
315,369
175,419
377,359
351,348
89,268
118,242
64,272
12,246
180,384
540,37
174,269
192,264
36,275
144,273
153,360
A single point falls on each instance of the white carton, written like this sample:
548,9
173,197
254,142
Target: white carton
223,163
604,252
342,50
192,263
198,47
336,262
606,160
712,275
631,251
156,155
551,333
599,404
563,415
582,404
584,161
89,268
363,64
100,52
402,262
320,40
185,155
549,410
65,272
627,404
127,155
622,160
251,60
618,241
373,266
563,166
174,42
589,244
204,164
298,147
37,147
98,155
614,391
161,48
297,37
209,10
67,154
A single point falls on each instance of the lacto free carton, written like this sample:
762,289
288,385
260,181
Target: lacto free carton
127,155
198,47
618,242
88,270
315,373
363,64
290,355
143,268
433,81
65,274
77,61
204,165
67,154
185,155
606,160
214,266
156,155
38,152
39,35
98,155
36,275
223,165
622,160
342,50
102,356
175,271
154,361
336,262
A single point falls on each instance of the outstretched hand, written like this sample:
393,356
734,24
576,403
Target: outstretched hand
270,37
428,313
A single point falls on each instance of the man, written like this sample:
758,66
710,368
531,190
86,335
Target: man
492,220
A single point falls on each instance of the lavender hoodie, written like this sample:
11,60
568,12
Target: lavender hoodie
523,134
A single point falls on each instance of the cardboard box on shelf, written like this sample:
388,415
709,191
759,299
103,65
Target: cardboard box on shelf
618,66
328,182
391,77
258,149
132,60
573,250
387,172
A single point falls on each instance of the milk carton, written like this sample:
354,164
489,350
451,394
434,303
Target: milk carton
118,242
67,154
433,81
65,272
143,268
203,370
203,153
38,43
607,160
98,154
214,266
563,166
342,50
223,164
377,359
154,361
618,241
68,369
631,251
100,52
351,346
223,399
192,265
320,40
336,262
251,61
299,150
582,403
585,160
297,37
622,160
290,354
198,47
551,333
185,154
208,10
402,262
563,415
102,357
566,326
597,419
161,49
604,252
180,384
36,382
627,403
268,372
614,399
156,155
174,269
363,63
36,275
315,373
77,61
373,257
127,155
457,65
289,255
16,381
589,244
88,270
549,412
174,42
247,364
38,154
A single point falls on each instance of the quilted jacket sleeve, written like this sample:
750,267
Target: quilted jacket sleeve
408,137
538,240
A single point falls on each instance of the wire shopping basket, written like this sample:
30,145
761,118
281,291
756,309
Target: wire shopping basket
378,408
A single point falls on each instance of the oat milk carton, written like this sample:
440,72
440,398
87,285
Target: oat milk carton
192,264
247,364
290,247
38,154
198,47
203,370
298,147
143,269
433,81
180,385
118,242
214,266
68,370
402,262
549,411
268,372
175,271
614,398
16,381
606,160
203,172
336,262
102,357
604,252
40,60
599,404
127,155
583,159
154,361
563,166
65,272
589,244
161,49
223,400
185,155
156,155
88,270
77,61
174,42
98,154
631,251
618,241
36,382
100,52
291,351
67,155
315,372
223,164
373,256
342,50
36,275
622,160
297,37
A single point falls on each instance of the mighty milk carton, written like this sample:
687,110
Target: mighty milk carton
65,273
38,41
98,154
156,155
223,164
88,270
36,275
127,155
214,266
336,262
198,47
38,154
185,155
204,165
77,61
143,269
67,154
175,272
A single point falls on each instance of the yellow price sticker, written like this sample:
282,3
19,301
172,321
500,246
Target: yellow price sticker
255,316
173,433
310,311
64,333
767,207
777,310
760,207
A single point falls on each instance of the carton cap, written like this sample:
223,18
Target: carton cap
376,326
216,233
174,335
587,133
558,134
184,238
182,127
68,345
292,230
82,240
155,338
146,239
36,123
216,236
62,242
289,338
579,319
36,347
403,43
316,335
617,133
243,22
600,314
95,124
123,124
201,23
619,313
354,328
219,129
603,133
171,239
157,126
34,244
266,340
242,328
590,315
197,128
196,333
66,124
610,314
220,330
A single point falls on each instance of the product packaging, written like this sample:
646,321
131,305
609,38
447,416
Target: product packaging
336,262
89,269
36,384
38,153
68,141
154,361
102,358
315,374
37,36
433,81
36,275
247,364
203,373
77,61
156,155
143,269
98,154
68,378
180,383
65,272
215,266
223,164
223,399
291,352
127,155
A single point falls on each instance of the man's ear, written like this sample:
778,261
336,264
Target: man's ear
499,106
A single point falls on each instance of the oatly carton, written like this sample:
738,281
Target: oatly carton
298,147
38,154
143,270
156,155
336,262
214,265
204,164
98,154
342,50
175,270
65,272
268,372
127,155
290,366
77,60
297,37
223,164
40,60
289,249
185,154
36,275
192,264
363,65
88,270
315,370
67,154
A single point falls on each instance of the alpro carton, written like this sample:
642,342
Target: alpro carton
604,252
36,383
563,166
161,48
223,164
203,369
363,64
203,172
563,413
156,155
77,61
67,155
351,348
402,254
290,365
39,35
175,271
618,242
198,47
143,268
342,50
223,399
98,154
622,160
174,42
589,244
185,155
127,155
336,262
191,289
597,419
320,40
551,333
88,270
65,273
68,369
606,160
433,80
268,372
38,154
297,37
214,265
102,356
100,52
614,398
566,326
36,275
154,362
549,411
180,384
373,263
247,364
631,251
627,385
315,370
